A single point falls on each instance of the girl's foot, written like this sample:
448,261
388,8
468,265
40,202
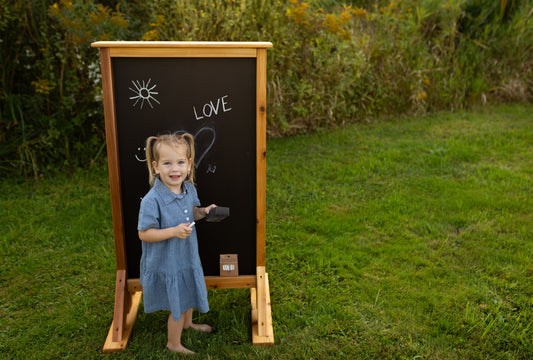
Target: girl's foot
181,349
201,327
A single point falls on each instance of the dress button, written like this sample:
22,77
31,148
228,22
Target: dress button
186,211
187,218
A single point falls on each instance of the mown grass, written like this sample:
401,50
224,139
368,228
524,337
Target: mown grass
403,239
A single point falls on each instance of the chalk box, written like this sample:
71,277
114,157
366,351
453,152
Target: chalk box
229,265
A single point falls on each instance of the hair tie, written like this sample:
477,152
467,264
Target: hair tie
156,137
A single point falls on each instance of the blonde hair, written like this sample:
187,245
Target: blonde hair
153,143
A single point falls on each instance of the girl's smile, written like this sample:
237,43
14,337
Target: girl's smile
173,166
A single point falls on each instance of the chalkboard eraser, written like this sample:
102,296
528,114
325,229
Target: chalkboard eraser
217,214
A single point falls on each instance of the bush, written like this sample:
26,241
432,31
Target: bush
51,113
331,63
341,63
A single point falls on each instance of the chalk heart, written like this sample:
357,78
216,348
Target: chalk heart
203,140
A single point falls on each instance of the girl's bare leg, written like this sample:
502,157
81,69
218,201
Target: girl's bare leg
188,324
174,335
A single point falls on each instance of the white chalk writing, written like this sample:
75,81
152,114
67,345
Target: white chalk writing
212,109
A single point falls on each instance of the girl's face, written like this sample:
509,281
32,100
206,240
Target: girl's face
173,166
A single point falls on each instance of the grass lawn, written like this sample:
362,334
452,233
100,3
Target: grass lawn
405,239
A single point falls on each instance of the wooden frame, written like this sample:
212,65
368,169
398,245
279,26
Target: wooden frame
128,291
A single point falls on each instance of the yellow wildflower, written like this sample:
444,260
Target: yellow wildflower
43,86
151,35
299,12
360,13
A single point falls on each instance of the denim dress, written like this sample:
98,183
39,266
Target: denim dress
171,272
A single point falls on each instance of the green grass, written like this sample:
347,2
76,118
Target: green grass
404,239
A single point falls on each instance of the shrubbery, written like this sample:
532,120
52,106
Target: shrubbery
331,63
50,103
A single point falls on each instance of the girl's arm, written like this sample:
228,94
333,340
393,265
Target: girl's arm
181,231
200,213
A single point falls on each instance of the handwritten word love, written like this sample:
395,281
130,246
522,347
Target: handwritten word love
212,109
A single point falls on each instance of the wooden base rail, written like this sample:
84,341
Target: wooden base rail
128,294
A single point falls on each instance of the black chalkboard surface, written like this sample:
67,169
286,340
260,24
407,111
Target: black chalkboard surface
214,99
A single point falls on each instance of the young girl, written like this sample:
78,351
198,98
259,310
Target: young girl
171,272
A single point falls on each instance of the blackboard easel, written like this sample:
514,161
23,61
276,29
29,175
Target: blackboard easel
152,87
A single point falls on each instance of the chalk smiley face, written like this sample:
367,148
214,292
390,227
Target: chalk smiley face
140,154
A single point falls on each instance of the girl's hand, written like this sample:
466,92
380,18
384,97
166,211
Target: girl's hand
209,208
200,213
183,231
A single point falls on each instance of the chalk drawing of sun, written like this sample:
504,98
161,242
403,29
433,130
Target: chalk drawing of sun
143,92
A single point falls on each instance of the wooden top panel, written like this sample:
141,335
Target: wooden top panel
182,48
182,44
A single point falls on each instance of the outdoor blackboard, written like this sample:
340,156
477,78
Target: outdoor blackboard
215,91
214,100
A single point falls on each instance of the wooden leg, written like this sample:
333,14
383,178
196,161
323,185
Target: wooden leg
120,304
114,346
262,331
125,313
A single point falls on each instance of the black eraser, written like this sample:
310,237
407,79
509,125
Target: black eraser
217,214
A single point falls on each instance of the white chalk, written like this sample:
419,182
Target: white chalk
192,224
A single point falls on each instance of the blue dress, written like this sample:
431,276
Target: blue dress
171,273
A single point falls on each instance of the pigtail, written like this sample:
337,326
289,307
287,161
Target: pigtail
150,158
189,139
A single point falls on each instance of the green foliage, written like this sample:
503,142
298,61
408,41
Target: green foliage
311,67
333,62
51,113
